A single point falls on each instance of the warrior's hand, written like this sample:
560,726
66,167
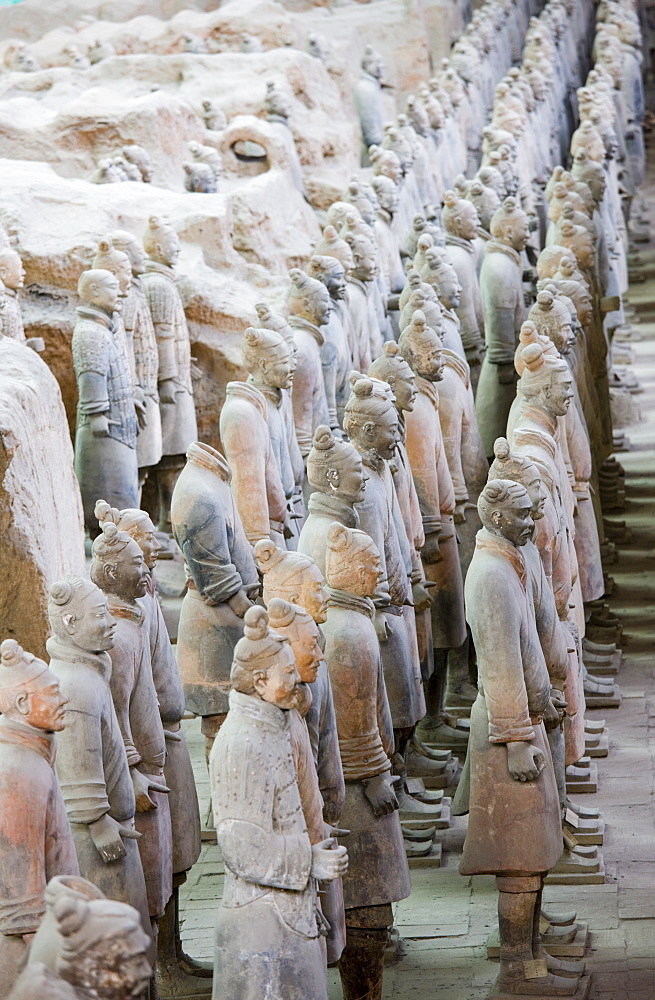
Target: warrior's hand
552,717
239,603
328,861
140,407
507,374
421,597
106,834
525,762
381,627
99,425
142,784
167,390
380,793
430,552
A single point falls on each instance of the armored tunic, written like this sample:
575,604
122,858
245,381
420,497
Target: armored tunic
94,773
219,563
514,826
267,938
178,419
105,466
35,837
141,334
11,316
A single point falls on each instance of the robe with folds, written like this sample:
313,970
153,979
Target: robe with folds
514,826
256,479
178,419
413,523
267,937
535,434
137,710
336,361
363,326
504,312
471,315
94,773
219,562
141,335
436,497
464,450
380,517
310,405
284,445
400,655
377,864
311,800
178,772
35,835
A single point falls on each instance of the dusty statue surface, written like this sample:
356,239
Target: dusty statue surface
87,946
37,843
222,579
92,764
267,936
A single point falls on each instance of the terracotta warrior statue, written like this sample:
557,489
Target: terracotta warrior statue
36,838
315,747
292,576
271,866
442,276
254,441
296,578
366,339
545,395
392,368
309,311
377,873
119,570
140,331
368,98
178,415
269,320
422,349
178,772
564,677
12,276
335,352
371,422
92,765
87,946
222,583
514,827
105,440
504,311
460,220
271,360
336,474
